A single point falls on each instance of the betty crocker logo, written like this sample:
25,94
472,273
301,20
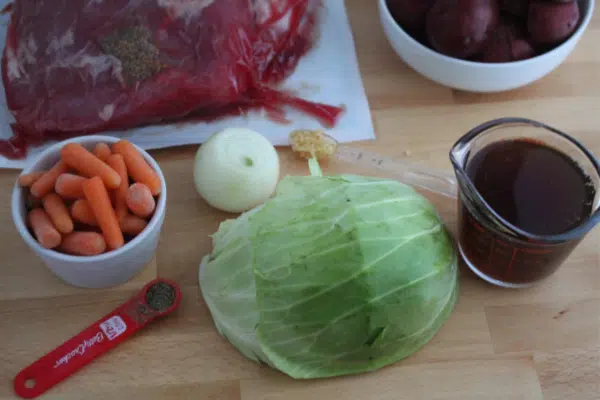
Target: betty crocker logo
80,349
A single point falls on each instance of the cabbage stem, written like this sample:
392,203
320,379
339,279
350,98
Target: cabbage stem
313,166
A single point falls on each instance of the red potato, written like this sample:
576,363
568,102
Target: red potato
549,23
507,44
522,49
517,26
498,49
515,7
505,49
461,28
410,14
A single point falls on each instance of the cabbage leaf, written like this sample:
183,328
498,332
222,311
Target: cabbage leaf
334,275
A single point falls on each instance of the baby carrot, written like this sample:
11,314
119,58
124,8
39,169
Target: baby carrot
45,183
132,225
102,151
26,180
81,212
43,230
79,158
97,197
58,212
69,186
137,167
140,201
83,244
116,162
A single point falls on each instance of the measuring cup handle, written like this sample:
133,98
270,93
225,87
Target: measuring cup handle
74,354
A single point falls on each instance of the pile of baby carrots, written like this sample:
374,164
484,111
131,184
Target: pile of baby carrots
91,202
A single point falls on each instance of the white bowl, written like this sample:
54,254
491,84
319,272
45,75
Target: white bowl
476,76
105,270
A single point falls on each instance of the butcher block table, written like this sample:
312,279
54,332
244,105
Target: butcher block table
539,343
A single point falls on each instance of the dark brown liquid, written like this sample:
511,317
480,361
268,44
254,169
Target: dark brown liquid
534,187
537,189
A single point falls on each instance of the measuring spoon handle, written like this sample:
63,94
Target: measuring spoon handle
97,339
411,174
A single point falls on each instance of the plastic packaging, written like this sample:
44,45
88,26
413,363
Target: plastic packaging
100,65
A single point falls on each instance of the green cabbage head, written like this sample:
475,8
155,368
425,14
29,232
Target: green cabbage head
335,275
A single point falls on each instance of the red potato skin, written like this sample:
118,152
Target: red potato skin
506,44
410,14
522,49
550,23
506,49
516,24
461,28
497,49
515,7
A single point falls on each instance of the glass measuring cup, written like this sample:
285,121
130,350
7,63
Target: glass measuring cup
497,250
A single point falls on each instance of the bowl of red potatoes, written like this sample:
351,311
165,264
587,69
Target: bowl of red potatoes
92,209
484,45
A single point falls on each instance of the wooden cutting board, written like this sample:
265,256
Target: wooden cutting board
540,343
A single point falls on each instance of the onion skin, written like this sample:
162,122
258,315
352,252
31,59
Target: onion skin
236,170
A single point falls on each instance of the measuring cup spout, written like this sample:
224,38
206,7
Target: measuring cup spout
460,155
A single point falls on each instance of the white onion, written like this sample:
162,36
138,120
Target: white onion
236,170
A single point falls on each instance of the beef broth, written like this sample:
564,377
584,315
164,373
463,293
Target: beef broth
532,186
536,189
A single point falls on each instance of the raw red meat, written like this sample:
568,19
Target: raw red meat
73,67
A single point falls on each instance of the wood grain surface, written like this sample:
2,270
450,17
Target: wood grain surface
534,344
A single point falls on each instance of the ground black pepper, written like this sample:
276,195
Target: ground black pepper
160,296
134,48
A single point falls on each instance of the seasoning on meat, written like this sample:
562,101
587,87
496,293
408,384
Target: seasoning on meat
134,48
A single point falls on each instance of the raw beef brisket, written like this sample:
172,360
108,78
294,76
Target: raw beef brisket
73,67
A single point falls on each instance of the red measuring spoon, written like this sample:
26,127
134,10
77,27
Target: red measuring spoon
158,298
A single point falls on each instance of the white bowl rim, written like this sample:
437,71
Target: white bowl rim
442,57
32,242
